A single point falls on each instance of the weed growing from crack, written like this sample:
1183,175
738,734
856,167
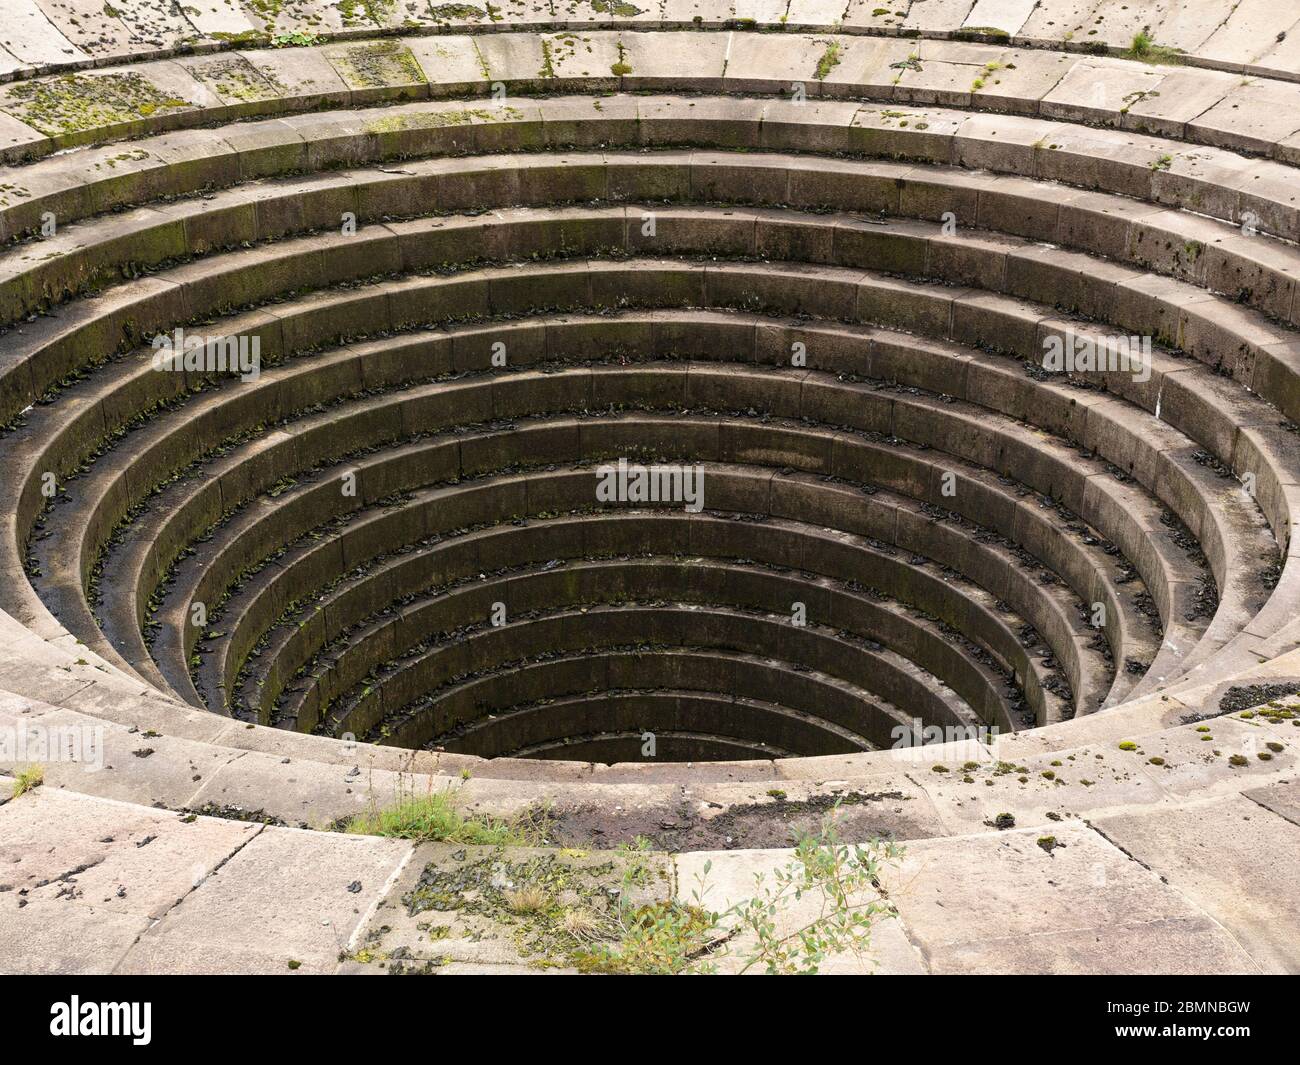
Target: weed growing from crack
435,816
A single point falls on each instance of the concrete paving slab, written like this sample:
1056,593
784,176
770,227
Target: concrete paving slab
93,27
450,60
132,766
297,792
1061,22
20,141
1098,92
1118,21
216,19
1236,861
114,857
105,104
1185,946
31,38
1281,58
817,14
1253,117
1039,788
1249,32
863,15
299,73
934,81
232,78
147,712
287,896
585,56
1186,26
314,17
762,63
1021,81
1181,96
1216,757
48,937
655,56
153,24
1074,904
510,57
932,16
374,70
1282,799
1005,15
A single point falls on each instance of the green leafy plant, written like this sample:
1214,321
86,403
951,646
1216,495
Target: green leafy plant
844,878
672,936
294,40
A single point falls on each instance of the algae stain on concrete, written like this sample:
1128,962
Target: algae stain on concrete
74,103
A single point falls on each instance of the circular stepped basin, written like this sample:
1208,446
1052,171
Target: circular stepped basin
669,423
401,517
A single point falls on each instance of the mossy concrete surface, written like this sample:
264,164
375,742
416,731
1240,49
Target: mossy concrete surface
153,891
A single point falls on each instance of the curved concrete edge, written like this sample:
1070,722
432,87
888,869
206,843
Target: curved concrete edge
49,36
56,689
111,103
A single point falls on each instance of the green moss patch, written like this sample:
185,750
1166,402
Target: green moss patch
378,65
358,12
75,103
450,12
618,8
441,119
235,79
829,60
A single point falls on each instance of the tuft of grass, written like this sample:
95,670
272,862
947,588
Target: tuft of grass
582,924
1145,48
28,780
436,818
527,899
